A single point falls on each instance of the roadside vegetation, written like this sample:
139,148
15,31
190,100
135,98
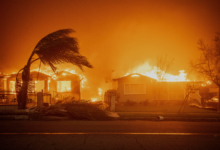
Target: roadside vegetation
207,65
76,110
67,109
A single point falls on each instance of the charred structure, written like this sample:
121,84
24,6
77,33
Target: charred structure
56,88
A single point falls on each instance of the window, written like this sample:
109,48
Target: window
12,86
1,85
63,86
134,89
39,86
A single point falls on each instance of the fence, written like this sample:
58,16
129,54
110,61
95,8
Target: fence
110,98
9,98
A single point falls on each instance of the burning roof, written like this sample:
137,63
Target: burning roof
33,75
134,75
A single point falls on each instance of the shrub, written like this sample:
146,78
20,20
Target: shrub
83,110
77,110
145,102
130,103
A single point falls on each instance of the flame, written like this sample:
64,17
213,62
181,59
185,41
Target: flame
12,86
63,86
149,71
47,70
83,80
206,83
93,99
100,91
135,75
48,85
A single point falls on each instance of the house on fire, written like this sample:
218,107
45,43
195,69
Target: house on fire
62,85
138,88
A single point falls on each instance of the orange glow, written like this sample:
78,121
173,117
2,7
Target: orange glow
100,91
150,71
209,82
94,99
135,75
39,86
83,80
12,86
206,83
47,70
48,84
63,86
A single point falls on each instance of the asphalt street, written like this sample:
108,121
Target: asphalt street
109,135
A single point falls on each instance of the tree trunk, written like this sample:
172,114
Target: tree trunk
19,99
24,89
218,111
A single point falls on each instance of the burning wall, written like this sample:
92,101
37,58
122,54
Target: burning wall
137,87
59,87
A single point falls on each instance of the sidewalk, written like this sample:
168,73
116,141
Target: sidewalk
161,116
167,113
126,113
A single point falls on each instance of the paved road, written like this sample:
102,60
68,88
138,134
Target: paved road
109,135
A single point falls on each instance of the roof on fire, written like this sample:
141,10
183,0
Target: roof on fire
33,75
134,75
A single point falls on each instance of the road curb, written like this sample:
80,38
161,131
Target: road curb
14,117
27,117
172,119
150,118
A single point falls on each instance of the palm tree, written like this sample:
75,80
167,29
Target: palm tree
55,48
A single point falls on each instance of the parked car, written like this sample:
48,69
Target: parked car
213,102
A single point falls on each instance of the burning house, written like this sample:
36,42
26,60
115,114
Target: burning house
138,88
134,87
209,90
54,87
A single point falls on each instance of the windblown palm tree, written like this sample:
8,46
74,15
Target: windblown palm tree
55,48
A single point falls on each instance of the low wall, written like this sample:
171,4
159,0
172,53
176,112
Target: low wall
8,107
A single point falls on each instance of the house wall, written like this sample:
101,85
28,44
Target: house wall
172,91
75,87
209,91
1,84
148,82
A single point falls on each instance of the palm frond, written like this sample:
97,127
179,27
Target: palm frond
53,36
58,47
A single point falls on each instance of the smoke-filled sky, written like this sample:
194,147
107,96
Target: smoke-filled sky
112,34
